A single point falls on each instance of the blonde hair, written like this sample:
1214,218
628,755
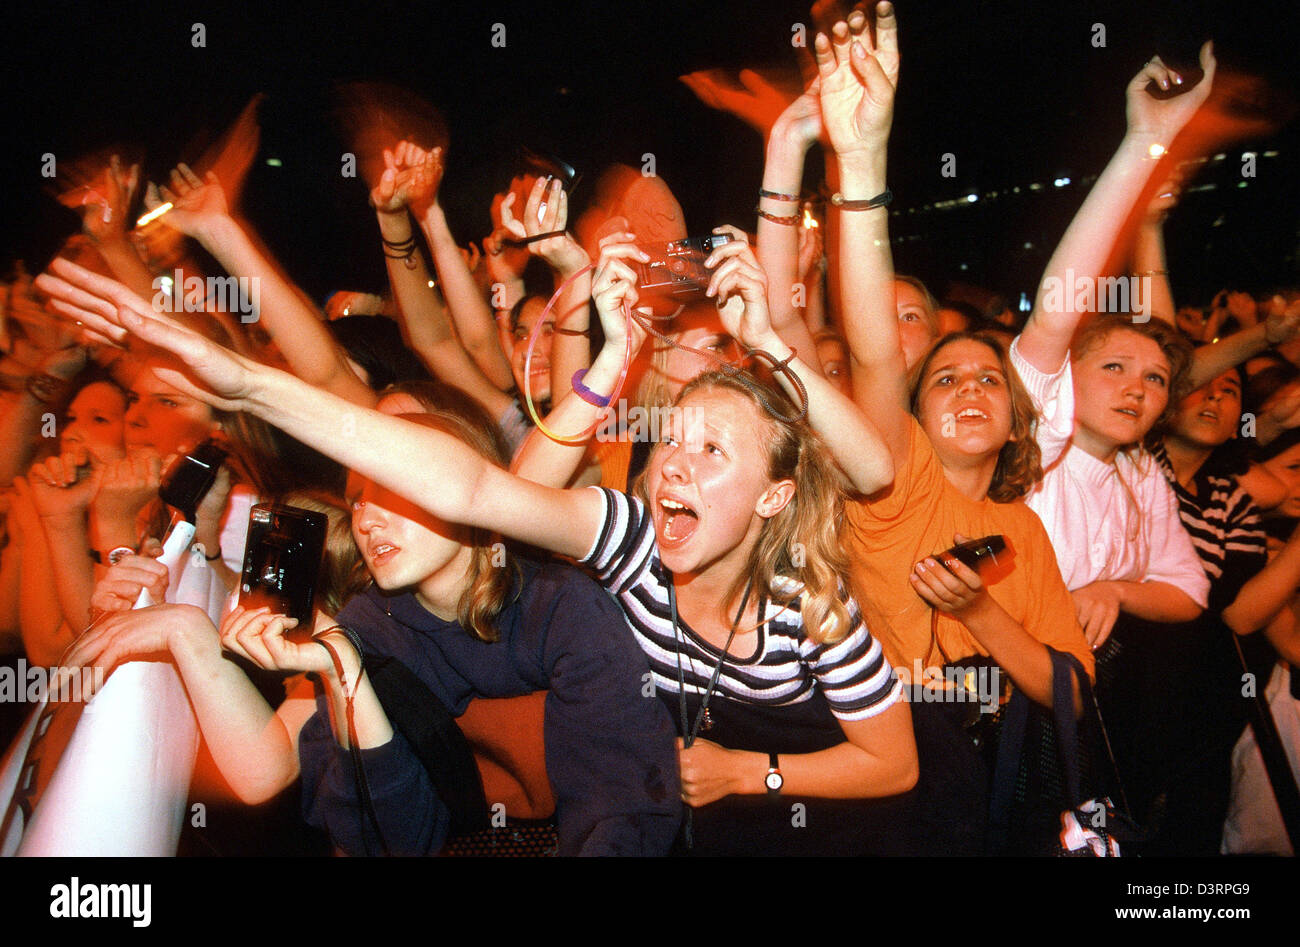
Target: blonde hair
802,542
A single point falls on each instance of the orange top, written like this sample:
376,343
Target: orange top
916,517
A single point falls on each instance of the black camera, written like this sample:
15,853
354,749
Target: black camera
187,481
976,552
678,269
281,562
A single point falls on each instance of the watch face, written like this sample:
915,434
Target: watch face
773,781
118,554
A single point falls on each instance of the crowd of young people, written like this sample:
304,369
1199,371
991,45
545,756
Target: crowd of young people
746,622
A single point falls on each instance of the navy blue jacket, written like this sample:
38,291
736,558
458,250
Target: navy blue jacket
610,751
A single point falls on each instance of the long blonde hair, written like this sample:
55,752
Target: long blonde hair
803,542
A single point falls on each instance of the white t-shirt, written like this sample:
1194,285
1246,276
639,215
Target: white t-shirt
1107,522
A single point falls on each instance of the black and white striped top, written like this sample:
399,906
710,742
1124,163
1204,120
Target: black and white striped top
786,667
1223,521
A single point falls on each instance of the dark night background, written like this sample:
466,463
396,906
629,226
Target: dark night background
1014,89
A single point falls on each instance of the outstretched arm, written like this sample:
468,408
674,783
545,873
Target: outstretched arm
435,471
199,210
857,86
1211,360
254,747
1091,237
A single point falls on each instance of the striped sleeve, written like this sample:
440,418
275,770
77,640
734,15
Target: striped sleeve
854,673
624,542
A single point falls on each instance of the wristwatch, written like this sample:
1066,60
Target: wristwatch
119,553
773,780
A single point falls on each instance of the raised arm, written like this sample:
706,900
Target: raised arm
857,86
1085,249
544,460
547,211
1213,359
200,211
410,180
433,470
741,289
106,223
470,312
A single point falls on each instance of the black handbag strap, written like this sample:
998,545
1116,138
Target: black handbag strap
1011,745
420,717
1064,667
1012,741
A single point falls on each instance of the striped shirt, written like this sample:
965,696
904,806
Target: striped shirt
1223,521
786,666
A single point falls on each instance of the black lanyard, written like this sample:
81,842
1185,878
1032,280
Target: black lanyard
690,732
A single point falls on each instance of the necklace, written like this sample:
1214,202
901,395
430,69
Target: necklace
703,719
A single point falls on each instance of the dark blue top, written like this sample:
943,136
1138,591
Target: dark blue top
610,751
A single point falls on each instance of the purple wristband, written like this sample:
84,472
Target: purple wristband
585,393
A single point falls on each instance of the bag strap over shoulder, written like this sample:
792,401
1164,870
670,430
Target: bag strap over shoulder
417,713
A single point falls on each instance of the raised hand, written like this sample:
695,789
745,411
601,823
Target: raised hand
754,99
858,80
547,211
125,486
614,286
112,311
1164,200
410,179
45,333
198,205
1282,322
1160,120
62,485
104,214
801,122
739,285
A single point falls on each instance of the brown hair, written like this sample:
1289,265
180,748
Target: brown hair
492,567
1020,463
803,542
342,571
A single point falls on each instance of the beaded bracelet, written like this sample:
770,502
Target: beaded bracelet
790,221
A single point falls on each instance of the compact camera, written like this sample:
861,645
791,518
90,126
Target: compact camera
677,269
281,562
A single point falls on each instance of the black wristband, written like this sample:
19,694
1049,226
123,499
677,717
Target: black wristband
880,200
